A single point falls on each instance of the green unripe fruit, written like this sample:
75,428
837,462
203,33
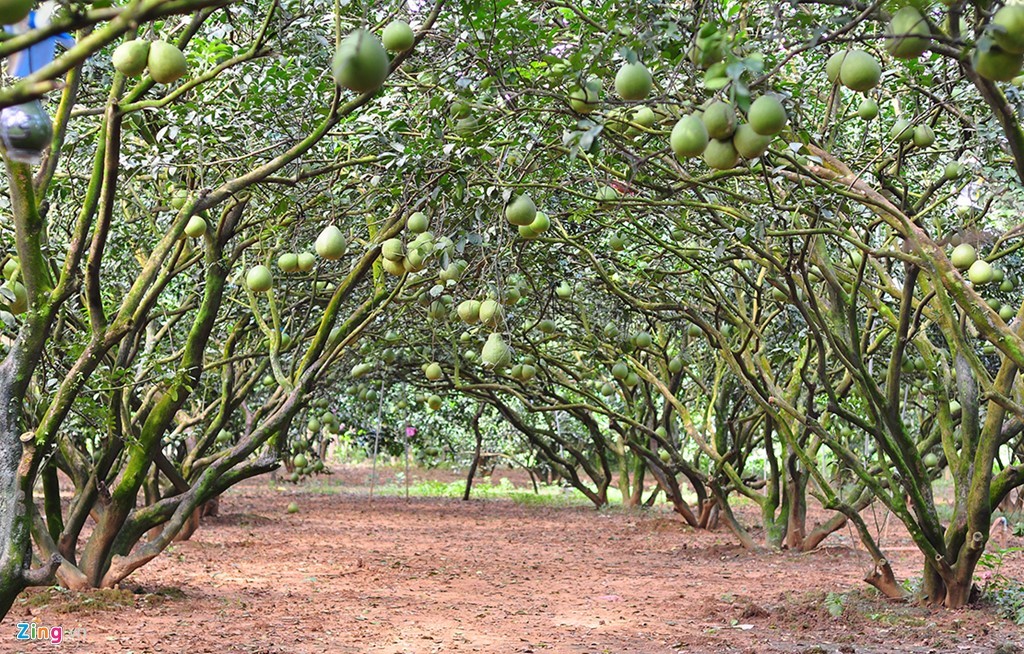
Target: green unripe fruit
689,137
748,143
607,389
767,116
693,330
360,63
963,256
1008,28
167,64
675,365
902,131
980,272
495,353
526,232
19,304
643,340
632,379
546,326
720,120
434,402
313,425
586,99
860,71
834,65
868,109
330,244
907,34
469,311
306,261
540,223
993,63
606,193
521,211
292,506
633,81
930,460
923,136
195,227
528,372
490,313
288,262
433,371
953,170
259,279
131,58
300,460
563,291
224,436
721,155
398,36
11,268
620,370
392,249
1007,313
417,223
1006,286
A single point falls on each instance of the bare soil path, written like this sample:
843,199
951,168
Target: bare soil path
344,575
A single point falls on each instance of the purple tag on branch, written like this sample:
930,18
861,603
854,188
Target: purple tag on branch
410,432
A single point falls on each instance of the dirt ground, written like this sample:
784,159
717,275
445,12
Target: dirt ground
344,575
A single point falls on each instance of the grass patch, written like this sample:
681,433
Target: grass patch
91,601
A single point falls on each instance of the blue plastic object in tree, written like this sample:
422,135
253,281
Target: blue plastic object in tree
26,129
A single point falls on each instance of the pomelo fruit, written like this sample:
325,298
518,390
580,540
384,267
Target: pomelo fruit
397,36
469,311
330,244
953,170
721,155
993,63
620,370
434,402
902,131
360,63
689,137
433,371
860,71
306,261
963,256
195,227
495,353
924,136
417,223
907,34
834,65
131,57
1007,313
288,262
1008,28
540,223
587,98
392,249
521,211
980,272
490,312
748,143
633,81
868,109
167,64
767,116
720,120
259,279
20,302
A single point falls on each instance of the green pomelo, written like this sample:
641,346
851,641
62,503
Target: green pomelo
167,64
1008,32
860,71
907,34
586,99
392,249
360,63
767,116
521,211
131,58
495,353
330,244
924,136
633,82
306,261
689,137
721,155
195,227
993,63
963,256
834,65
868,109
288,262
398,36
417,223
720,120
748,143
259,279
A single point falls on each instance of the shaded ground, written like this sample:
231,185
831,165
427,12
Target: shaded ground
438,575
